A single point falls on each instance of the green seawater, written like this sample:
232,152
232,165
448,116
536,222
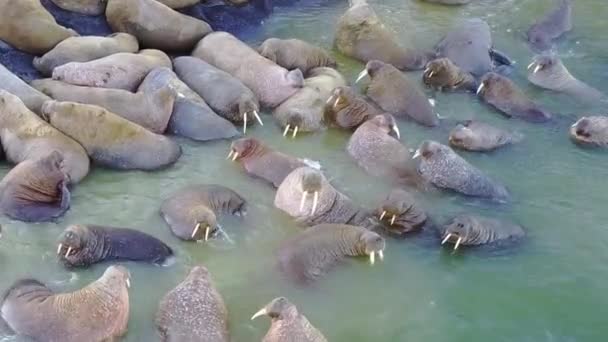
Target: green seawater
550,288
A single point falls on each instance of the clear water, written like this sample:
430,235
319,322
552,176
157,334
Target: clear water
551,288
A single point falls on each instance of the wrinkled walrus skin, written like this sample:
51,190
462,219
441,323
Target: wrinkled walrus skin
25,136
401,214
477,136
296,54
110,140
36,190
348,110
194,311
472,230
98,312
32,98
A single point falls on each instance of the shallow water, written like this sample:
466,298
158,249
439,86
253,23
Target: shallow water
550,288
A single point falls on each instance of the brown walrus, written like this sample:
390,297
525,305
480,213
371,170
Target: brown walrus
36,190
98,312
87,7
84,49
25,136
193,311
442,74
29,27
287,323
110,140
295,54
263,162
590,131
477,136
400,213
31,97
347,109
551,26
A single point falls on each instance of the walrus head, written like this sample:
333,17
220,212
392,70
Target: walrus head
205,224
461,136
116,276
293,122
430,149
590,130
400,213
548,72
459,231
244,148
73,243
345,109
493,85
371,69
370,243
387,124
441,73
278,308
248,109
311,182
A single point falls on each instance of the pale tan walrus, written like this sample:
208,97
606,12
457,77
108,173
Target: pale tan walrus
86,7
32,98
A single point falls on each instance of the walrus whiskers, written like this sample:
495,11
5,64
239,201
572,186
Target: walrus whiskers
447,237
286,130
382,215
303,199
457,243
315,201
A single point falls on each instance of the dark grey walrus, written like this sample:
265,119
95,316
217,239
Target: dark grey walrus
347,109
551,26
98,312
194,311
477,136
443,74
32,98
84,245
471,230
400,214
287,323
590,131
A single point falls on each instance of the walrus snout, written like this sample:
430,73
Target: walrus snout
47,109
72,241
373,244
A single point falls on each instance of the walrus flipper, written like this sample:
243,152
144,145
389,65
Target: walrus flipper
500,58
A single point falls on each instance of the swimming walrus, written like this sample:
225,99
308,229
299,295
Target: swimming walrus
36,190
287,323
150,109
193,311
551,26
400,214
121,70
85,245
347,109
504,95
472,230
295,54
590,131
25,136
392,91
84,49
360,34
29,27
155,25
441,166
32,98
308,197
312,253
110,140
224,93
192,212
270,83
87,7
477,136
263,162
442,74
96,313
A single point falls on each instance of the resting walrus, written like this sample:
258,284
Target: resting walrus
36,190
271,83
193,311
347,109
442,74
400,214
192,212
120,70
98,312
32,98
550,73
85,245
445,169
155,25
551,26
87,7
110,140
360,34
312,253
590,131
84,49
29,27
502,94
477,136
470,230
392,91
295,54
449,2
25,136
287,323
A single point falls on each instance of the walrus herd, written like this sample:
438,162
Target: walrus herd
114,102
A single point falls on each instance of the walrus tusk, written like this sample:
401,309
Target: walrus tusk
431,74
382,215
207,233
229,154
457,243
128,283
257,117
396,130
236,155
245,123
304,195
393,220
59,248
372,258
330,99
259,313
538,67
286,130
68,252
295,131
480,88
362,74
416,154
196,228
445,239
381,255
315,201
531,65
336,101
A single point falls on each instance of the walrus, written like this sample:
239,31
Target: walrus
32,98
120,70
590,131
25,136
263,162
478,136
360,34
87,7
84,49
400,214
98,312
449,2
551,26
287,323
110,140
295,54
192,212
29,27
549,72
308,197
225,94
502,94
191,116
149,109
442,74
85,245
177,4
392,91
36,190
193,311
312,253
270,83
472,230
347,109
447,170
376,148
155,25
